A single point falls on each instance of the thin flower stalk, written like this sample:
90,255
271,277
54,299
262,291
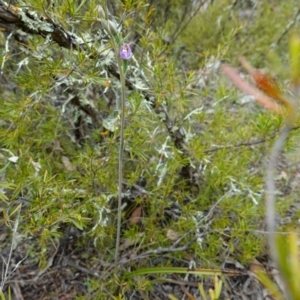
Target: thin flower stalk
122,54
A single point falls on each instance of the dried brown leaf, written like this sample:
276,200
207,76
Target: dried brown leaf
249,89
172,235
136,215
67,164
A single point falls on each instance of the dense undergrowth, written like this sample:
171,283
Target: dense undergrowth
59,133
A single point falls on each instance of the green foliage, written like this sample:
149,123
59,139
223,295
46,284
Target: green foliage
3,297
249,31
288,262
66,167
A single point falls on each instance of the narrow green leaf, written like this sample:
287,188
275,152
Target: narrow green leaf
170,270
295,58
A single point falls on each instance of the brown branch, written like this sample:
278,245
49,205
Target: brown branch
242,144
246,144
88,109
30,22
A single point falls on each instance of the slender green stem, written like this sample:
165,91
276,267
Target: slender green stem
116,44
271,190
121,151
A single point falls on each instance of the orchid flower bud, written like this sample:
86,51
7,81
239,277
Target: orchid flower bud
101,11
112,27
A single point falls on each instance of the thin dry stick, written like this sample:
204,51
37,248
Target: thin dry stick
5,275
5,56
287,28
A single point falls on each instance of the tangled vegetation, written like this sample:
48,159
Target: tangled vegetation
194,147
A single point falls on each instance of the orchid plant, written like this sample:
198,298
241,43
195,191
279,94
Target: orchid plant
123,53
284,251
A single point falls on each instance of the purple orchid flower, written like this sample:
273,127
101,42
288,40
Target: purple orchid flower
125,52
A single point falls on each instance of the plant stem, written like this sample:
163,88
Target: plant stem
116,44
121,151
271,190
